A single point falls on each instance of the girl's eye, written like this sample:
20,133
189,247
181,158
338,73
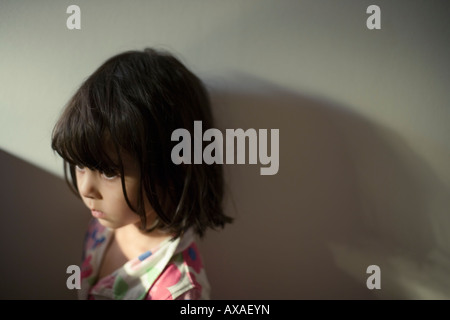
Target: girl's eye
79,168
109,176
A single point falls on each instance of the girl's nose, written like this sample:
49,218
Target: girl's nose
88,184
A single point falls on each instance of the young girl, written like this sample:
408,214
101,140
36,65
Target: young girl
115,138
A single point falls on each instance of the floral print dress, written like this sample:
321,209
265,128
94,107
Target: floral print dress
173,270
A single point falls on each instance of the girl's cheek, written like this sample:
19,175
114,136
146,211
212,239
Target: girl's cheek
79,179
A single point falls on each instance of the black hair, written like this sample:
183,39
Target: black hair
132,103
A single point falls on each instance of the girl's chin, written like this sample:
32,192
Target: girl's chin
108,224
116,225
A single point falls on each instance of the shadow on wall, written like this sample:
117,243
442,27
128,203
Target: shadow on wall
41,231
348,194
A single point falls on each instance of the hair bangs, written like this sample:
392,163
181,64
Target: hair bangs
82,137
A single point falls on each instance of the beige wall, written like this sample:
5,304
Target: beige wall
364,137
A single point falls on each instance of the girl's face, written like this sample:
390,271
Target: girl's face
103,195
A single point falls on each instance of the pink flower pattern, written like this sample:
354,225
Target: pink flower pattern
186,266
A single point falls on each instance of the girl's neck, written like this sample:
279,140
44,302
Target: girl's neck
133,241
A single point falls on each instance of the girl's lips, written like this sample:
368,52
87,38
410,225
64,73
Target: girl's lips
98,214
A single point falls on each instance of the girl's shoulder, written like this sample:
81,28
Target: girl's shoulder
183,278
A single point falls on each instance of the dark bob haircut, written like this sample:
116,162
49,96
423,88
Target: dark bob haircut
132,103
